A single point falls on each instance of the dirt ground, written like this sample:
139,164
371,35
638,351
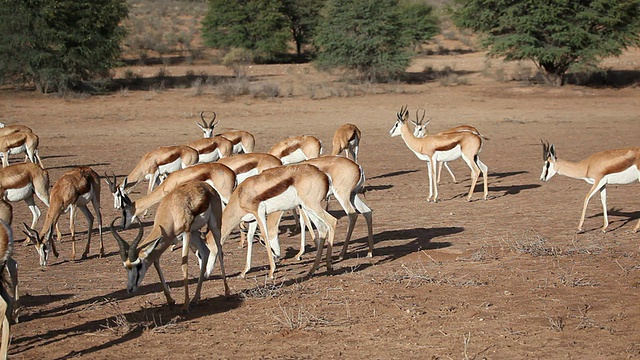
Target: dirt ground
504,278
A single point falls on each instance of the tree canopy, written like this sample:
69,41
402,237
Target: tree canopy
554,34
55,44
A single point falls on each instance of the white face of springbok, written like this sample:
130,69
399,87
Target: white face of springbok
420,129
550,167
207,127
134,260
41,244
402,116
116,191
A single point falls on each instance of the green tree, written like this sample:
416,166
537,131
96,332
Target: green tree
55,44
303,16
256,25
554,34
372,37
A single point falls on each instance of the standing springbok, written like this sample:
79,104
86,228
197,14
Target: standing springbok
247,165
445,147
153,165
420,131
19,182
219,176
619,166
72,192
181,215
297,149
10,129
20,142
243,141
279,189
347,139
8,295
212,149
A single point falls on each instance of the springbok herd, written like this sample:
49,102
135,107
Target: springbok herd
218,183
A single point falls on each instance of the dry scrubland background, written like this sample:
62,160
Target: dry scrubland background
502,278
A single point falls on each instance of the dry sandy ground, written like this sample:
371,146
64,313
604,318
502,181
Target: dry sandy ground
499,279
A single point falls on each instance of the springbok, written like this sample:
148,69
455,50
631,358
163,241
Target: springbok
19,182
212,149
10,129
619,166
347,139
219,176
17,143
153,165
420,131
445,147
8,287
73,191
243,141
297,149
279,189
181,215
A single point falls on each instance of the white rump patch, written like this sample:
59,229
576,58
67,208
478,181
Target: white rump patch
294,158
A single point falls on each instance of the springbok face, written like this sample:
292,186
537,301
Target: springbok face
41,245
116,191
207,127
402,116
135,265
549,156
420,129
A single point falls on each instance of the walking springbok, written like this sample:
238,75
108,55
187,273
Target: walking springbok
420,131
20,142
619,166
180,216
243,141
347,139
297,149
279,189
154,164
73,191
444,147
19,182
8,287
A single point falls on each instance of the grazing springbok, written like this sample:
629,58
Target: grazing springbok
8,287
247,165
279,189
19,182
72,192
180,216
444,147
212,149
17,143
347,139
297,149
243,141
154,165
219,176
420,131
619,166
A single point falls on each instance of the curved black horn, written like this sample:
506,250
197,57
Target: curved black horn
211,124
545,149
204,122
112,184
133,250
124,247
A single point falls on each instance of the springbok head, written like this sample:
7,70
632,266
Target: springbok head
420,129
134,260
120,199
549,156
401,117
207,127
41,242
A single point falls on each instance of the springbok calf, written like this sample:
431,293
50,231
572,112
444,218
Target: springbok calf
17,143
9,294
212,149
217,175
74,190
181,215
619,166
279,189
153,165
297,149
243,141
445,147
420,131
19,182
347,139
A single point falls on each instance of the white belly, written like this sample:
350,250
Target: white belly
17,150
209,157
238,148
170,167
243,176
294,158
20,193
625,177
285,201
448,155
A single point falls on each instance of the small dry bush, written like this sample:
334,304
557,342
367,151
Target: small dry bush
229,89
265,91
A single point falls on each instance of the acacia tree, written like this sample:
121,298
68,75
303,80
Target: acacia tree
303,16
375,38
55,44
554,34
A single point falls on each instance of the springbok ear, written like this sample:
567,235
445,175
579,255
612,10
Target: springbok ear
200,126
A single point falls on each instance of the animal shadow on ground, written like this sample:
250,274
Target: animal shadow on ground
392,174
629,217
